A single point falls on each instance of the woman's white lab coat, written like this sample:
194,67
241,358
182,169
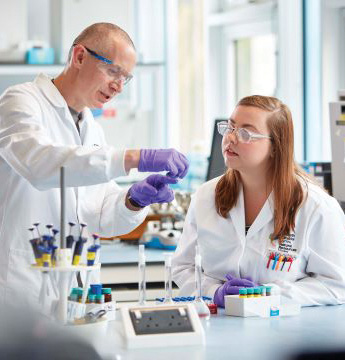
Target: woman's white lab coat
317,247
38,136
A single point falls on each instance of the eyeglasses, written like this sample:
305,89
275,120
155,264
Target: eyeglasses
243,135
113,71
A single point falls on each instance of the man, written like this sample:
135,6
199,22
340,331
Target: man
47,124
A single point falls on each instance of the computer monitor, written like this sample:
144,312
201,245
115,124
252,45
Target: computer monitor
216,165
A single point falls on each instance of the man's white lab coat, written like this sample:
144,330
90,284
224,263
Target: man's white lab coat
38,136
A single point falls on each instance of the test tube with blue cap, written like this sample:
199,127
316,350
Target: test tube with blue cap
168,279
200,305
142,280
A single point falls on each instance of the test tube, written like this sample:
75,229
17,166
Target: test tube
200,305
142,281
250,292
168,279
243,293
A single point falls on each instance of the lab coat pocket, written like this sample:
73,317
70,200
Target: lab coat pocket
279,264
279,261
21,279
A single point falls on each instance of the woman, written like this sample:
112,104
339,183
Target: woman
264,221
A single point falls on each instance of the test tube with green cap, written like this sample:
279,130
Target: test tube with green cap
99,299
257,292
92,298
268,290
250,292
242,293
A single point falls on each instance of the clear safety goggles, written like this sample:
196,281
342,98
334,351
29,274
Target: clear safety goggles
243,135
112,71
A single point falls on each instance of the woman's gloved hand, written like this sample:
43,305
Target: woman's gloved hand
153,189
164,160
231,287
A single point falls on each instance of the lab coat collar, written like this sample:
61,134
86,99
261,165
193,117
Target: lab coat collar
53,95
50,91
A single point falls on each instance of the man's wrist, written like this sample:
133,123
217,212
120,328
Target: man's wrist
132,158
131,204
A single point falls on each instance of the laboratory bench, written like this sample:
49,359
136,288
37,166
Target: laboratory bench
315,329
119,270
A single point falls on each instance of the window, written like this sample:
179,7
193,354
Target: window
255,65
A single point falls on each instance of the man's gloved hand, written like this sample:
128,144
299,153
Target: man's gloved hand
164,160
153,189
230,287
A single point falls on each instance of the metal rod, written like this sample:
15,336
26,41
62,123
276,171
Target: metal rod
63,208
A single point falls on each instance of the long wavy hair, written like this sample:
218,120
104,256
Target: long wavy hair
285,174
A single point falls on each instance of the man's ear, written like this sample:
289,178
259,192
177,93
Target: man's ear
78,55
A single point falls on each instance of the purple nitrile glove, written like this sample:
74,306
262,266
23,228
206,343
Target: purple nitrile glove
228,276
230,287
164,160
153,189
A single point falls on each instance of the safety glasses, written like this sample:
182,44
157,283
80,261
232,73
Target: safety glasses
112,71
243,135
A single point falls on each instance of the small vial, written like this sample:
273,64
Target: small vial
257,292
92,298
263,290
79,294
213,308
268,290
243,293
250,292
107,294
96,289
73,297
99,299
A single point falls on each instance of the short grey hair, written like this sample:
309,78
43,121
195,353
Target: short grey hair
99,33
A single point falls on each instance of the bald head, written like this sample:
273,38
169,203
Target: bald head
103,35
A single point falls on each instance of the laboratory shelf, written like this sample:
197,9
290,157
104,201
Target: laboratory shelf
30,69
25,69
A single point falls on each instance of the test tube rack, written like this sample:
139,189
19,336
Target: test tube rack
263,306
65,273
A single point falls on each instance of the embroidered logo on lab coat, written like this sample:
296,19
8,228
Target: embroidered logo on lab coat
287,245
